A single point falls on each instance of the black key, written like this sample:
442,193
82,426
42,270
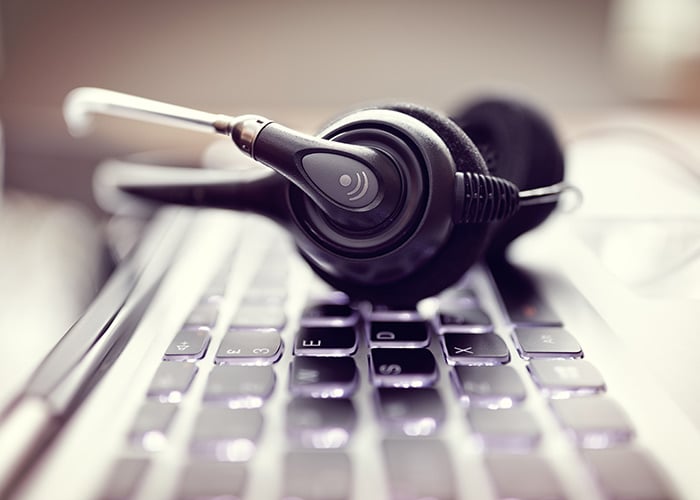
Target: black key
316,475
239,386
225,434
475,349
525,477
151,425
628,474
566,377
325,341
546,343
419,469
203,315
188,344
399,334
513,429
125,478
594,422
521,298
250,347
320,423
413,412
329,314
171,381
456,317
259,317
403,367
492,387
320,377
212,480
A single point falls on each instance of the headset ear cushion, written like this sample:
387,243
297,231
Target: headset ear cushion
518,144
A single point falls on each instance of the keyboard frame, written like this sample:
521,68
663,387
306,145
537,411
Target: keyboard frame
73,465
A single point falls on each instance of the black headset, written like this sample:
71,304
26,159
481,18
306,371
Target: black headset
390,204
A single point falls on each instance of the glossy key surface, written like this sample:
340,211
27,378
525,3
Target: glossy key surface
323,377
398,334
497,386
239,386
546,343
188,345
325,341
403,367
594,421
171,381
320,423
474,349
561,378
226,434
205,480
523,476
317,475
413,412
508,429
418,469
250,347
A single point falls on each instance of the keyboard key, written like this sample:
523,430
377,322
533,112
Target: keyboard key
628,474
188,345
561,378
212,480
329,314
203,315
594,421
320,377
546,343
492,387
239,386
418,469
225,434
325,341
125,478
521,298
403,367
250,347
455,317
151,425
171,381
399,334
475,349
320,423
413,412
317,475
525,477
512,429
259,317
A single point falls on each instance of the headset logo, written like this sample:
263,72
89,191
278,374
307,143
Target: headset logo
360,188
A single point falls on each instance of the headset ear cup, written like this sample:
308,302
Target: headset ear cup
464,246
517,144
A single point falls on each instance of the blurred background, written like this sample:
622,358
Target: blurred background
301,62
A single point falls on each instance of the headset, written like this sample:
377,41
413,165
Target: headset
389,204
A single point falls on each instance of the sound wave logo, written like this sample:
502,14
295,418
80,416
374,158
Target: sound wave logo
360,188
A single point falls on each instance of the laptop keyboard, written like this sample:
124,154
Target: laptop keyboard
326,401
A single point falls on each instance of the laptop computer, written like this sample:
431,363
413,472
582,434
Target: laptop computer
214,364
